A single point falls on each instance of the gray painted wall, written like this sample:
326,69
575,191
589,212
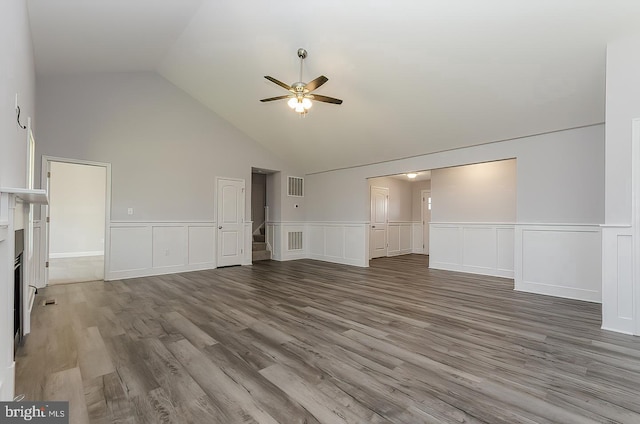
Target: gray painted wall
399,197
17,75
560,178
483,192
166,149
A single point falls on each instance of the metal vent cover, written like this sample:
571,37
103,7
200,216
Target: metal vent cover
294,240
295,186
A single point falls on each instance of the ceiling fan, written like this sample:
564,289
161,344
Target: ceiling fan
300,97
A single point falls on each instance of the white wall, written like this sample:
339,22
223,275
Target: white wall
483,192
76,209
17,75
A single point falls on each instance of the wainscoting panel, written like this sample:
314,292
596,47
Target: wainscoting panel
334,242
505,239
169,246
478,248
617,279
202,249
559,260
153,248
445,246
399,237
130,250
417,245
476,251
343,243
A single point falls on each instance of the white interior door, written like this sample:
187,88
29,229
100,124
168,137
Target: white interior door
379,220
230,222
426,219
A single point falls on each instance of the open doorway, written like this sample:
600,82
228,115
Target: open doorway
76,220
260,181
399,225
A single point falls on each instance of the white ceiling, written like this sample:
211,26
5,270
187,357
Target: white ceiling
416,76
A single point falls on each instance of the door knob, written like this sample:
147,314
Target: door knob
373,226
220,227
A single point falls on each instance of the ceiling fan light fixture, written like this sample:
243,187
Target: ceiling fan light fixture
300,99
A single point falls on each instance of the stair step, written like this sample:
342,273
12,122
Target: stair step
260,255
259,245
258,237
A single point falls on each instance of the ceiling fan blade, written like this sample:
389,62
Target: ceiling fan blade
316,83
280,83
270,99
326,99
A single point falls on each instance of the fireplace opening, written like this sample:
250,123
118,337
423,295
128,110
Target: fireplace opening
17,289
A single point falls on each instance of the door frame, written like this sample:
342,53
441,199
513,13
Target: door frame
425,243
244,221
44,210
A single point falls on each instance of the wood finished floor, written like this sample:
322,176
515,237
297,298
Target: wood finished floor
311,342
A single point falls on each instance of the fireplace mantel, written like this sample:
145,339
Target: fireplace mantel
35,196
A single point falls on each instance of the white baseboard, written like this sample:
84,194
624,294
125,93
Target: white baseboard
150,272
493,272
75,254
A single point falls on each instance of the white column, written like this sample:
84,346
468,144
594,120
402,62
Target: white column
621,232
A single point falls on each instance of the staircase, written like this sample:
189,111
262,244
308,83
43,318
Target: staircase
259,250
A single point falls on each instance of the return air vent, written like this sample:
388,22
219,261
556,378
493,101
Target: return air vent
295,186
295,240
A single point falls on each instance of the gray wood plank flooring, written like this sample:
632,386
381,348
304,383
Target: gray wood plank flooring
312,342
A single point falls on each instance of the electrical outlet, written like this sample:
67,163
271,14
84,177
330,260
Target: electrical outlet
130,211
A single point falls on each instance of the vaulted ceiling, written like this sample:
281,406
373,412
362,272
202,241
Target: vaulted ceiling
416,76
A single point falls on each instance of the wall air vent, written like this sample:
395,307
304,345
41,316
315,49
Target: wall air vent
295,240
295,186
